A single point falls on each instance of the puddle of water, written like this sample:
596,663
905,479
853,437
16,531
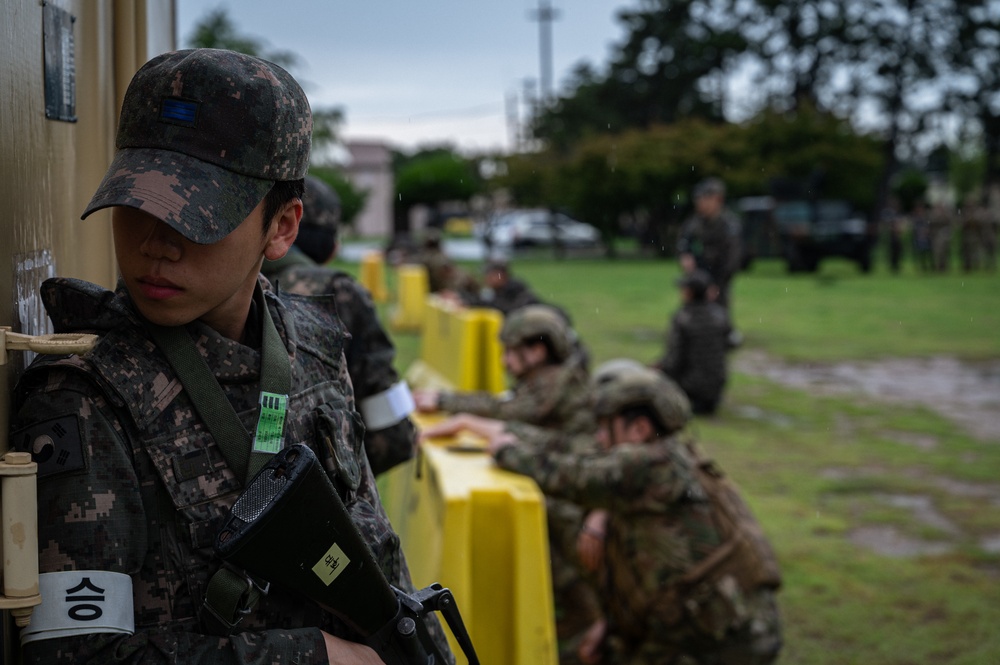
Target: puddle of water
756,413
887,541
922,508
919,441
966,393
991,544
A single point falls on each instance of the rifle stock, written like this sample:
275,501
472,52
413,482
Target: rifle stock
291,528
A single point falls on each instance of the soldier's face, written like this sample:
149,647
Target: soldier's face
708,205
616,430
174,281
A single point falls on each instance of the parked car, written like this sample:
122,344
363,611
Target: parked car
804,232
538,227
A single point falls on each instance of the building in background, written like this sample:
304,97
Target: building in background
370,169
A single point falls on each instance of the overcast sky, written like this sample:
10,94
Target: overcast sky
421,73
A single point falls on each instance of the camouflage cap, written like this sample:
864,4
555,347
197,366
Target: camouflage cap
709,186
538,323
203,136
631,386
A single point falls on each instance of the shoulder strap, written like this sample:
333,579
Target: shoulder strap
245,456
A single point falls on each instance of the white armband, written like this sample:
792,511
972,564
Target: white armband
388,407
81,602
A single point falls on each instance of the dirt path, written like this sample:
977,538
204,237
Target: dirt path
966,393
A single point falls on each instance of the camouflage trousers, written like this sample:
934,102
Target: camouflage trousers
575,596
757,641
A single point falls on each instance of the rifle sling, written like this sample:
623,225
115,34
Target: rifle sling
230,595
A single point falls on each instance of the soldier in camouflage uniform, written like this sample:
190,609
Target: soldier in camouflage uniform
133,486
941,231
551,390
689,577
551,387
710,239
697,344
443,276
501,290
383,399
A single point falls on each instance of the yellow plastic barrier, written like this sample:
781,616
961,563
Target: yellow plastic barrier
462,345
481,532
412,290
491,372
373,275
449,342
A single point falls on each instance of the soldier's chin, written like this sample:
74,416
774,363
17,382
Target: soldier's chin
162,316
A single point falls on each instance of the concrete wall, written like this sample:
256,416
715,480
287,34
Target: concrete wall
370,168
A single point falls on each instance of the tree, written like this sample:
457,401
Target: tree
352,199
975,89
216,30
672,64
431,177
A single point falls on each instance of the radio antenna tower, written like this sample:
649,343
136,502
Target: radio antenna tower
545,15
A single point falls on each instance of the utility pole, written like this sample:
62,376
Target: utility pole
545,15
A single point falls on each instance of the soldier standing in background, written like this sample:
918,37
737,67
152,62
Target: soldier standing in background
988,240
688,574
921,224
697,343
134,480
941,225
970,236
710,238
383,398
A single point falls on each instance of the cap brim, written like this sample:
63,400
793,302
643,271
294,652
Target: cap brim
201,201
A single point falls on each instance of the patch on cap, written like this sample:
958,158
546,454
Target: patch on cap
182,112
226,126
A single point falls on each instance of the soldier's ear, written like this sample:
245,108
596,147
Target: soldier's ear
284,230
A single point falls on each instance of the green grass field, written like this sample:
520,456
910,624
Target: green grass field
821,471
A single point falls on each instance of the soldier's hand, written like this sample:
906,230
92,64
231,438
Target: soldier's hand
591,645
590,541
426,400
342,652
687,262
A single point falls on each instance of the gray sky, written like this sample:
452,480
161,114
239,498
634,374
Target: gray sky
420,73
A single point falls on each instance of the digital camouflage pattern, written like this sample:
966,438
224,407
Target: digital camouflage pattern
203,136
661,526
369,351
697,343
130,480
715,245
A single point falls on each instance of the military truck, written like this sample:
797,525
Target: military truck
803,232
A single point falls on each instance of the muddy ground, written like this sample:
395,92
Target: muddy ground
966,393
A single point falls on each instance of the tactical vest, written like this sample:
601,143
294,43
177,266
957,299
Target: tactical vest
186,485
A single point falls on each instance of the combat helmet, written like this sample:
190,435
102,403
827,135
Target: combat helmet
625,386
539,323
609,369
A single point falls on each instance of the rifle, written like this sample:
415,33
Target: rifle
291,528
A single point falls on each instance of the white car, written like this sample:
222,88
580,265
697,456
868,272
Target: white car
537,226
